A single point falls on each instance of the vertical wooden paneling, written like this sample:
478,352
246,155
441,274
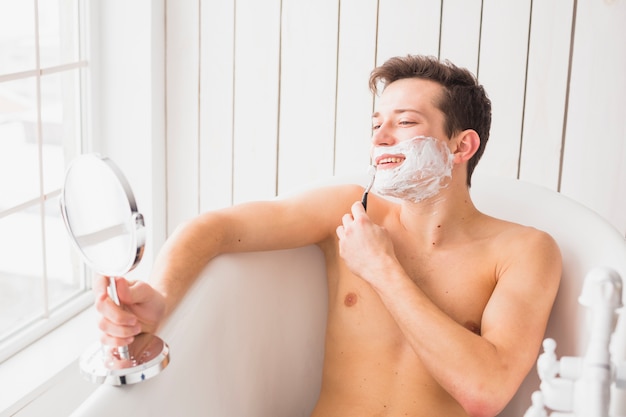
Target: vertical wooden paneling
357,51
408,28
460,33
129,91
182,110
257,48
548,63
216,103
307,92
594,166
502,70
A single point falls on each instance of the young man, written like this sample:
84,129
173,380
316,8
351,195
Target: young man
434,307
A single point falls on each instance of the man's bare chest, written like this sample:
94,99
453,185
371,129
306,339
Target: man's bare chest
459,280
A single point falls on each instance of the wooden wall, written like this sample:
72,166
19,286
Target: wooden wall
266,95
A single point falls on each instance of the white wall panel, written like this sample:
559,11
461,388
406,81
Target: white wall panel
408,27
128,93
460,32
594,170
357,51
182,34
307,92
257,55
546,90
284,99
216,103
502,70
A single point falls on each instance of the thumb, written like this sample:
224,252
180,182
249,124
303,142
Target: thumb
358,210
124,293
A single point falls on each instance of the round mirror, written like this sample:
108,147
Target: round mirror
101,215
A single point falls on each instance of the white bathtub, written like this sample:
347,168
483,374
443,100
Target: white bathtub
247,341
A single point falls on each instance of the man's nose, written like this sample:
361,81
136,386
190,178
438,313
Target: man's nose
384,135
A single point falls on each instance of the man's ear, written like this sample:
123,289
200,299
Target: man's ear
468,143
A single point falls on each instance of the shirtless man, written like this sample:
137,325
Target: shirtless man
435,309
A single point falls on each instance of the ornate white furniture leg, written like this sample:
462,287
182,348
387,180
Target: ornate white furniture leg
582,387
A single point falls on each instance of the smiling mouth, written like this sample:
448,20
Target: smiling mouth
389,160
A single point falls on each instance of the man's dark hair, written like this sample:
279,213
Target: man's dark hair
464,102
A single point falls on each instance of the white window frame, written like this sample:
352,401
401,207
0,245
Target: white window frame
51,318
126,123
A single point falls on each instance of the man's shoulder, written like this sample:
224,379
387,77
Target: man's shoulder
519,232
515,237
522,244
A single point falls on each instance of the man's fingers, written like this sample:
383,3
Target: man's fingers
340,232
358,209
118,327
117,330
114,313
123,291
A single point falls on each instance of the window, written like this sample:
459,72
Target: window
43,69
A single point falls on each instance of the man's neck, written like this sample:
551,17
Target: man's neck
440,217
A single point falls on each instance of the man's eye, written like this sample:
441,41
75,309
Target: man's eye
406,122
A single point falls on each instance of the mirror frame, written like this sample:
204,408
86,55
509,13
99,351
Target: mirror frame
138,230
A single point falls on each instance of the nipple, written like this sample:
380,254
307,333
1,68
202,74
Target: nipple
473,327
350,299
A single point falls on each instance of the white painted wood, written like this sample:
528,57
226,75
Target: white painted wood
546,91
502,70
216,103
128,96
257,59
324,104
594,170
182,36
460,33
307,92
157,233
357,51
408,28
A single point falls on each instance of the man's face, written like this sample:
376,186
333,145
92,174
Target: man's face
409,148
406,109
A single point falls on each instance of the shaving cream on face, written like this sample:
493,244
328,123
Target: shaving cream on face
426,169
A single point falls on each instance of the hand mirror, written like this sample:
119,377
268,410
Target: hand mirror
101,217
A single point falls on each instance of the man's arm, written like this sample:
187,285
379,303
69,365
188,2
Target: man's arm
306,218
482,372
